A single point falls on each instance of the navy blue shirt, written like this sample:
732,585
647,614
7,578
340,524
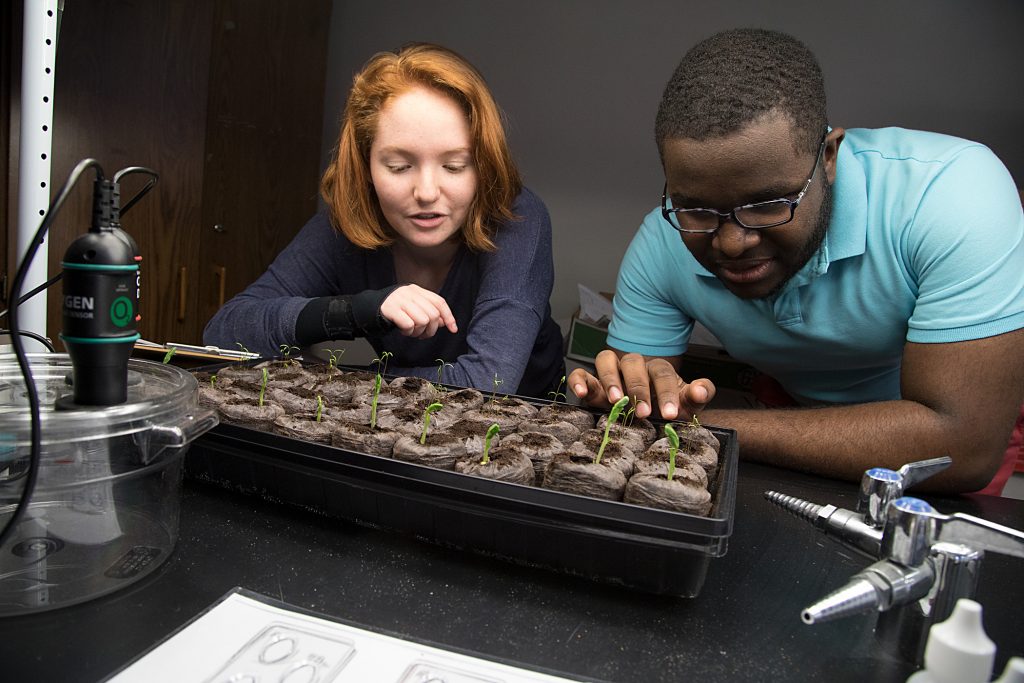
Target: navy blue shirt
500,300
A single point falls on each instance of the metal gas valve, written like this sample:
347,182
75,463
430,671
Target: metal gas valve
926,560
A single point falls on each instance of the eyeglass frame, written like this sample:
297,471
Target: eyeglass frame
722,216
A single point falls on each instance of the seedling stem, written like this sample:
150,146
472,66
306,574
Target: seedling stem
491,431
613,415
431,409
673,440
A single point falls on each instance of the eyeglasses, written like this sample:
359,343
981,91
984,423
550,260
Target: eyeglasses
754,216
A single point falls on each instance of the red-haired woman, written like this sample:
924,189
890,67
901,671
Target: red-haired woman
430,247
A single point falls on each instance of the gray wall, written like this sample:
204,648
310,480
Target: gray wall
580,81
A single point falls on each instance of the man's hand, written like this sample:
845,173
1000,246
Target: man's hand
634,375
418,312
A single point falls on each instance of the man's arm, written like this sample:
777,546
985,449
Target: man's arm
958,399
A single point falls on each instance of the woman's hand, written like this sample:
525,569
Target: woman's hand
634,375
418,312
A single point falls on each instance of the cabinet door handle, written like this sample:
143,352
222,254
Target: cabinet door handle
182,292
221,273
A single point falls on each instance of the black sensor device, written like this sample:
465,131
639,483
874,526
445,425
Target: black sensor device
100,303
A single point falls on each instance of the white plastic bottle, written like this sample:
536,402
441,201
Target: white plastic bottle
1014,671
958,651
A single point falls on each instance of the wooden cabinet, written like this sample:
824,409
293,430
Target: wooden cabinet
224,100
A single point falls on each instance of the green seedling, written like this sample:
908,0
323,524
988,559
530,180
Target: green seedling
673,448
494,392
441,365
263,386
319,406
286,350
373,405
334,357
169,355
431,409
627,420
242,349
213,381
382,362
491,431
558,392
613,416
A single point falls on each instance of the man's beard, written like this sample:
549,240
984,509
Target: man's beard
813,243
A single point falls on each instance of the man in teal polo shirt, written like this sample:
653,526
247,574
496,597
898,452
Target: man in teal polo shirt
877,275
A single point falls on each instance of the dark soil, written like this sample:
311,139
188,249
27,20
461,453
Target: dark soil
616,454
506,412
684,493
247,413
359,438
538,447
305,427
461,400
577,473
410,420
640,427
505,463
687,432
440,450
583,419
563,430
690,451
472,433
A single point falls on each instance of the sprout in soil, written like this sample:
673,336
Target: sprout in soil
286,350
334,356
491,431
263,386
673,441
557,392
613,415
382,364
213,380
494,392
319,406
627,420
373,405
170,354
431,409
441,365
242,349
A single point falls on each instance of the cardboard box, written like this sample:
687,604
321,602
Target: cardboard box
585,340
715,364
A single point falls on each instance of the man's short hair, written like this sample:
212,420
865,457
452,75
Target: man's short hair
735,77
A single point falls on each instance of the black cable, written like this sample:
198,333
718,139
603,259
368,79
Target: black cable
49,283
32,335
141,193
124,209
19,350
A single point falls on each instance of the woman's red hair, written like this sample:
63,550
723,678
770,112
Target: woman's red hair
346,185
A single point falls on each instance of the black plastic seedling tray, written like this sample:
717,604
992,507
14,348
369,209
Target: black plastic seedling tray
652,550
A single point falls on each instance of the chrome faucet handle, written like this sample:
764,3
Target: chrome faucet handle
913,528
980,534
880,486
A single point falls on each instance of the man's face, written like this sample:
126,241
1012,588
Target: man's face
757,163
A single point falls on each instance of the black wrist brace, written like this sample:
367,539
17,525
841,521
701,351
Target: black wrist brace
343,317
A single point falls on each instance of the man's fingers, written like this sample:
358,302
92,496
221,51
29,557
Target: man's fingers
587,388
637,382
667,387
607,365
697,394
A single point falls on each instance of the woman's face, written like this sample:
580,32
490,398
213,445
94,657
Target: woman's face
421,165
